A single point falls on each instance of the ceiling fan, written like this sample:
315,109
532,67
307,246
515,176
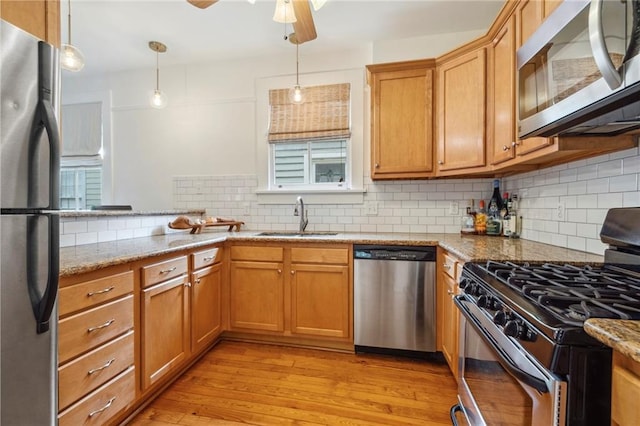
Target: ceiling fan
303,29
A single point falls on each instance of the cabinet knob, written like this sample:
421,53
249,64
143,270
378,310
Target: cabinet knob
279,271
446,266
440,162
197,280
450,293
377,165
293,272
506,148
514,144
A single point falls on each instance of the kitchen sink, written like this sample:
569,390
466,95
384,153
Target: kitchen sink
295,234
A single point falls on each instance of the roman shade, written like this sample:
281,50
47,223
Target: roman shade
324,114
81,134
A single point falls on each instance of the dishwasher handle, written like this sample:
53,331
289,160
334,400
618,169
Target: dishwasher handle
395,253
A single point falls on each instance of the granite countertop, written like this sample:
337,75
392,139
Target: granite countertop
89,257
621,335
100,213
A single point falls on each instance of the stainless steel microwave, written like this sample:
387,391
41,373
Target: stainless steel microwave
579,73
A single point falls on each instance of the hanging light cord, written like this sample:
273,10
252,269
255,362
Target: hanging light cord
157,71
69,24
297,65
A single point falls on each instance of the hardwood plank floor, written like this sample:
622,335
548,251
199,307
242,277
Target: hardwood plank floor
249,383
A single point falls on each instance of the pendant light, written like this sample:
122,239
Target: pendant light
296,94
71,59
158,97
284,12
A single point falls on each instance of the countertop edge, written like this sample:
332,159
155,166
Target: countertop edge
620,335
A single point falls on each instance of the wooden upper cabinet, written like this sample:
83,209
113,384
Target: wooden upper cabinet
38,17
461,96
401,119
502,94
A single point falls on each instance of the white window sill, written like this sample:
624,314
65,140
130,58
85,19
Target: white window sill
318,196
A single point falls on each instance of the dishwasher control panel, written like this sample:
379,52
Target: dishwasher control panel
409,253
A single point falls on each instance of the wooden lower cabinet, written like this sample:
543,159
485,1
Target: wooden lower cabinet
448,271
256,296
206,319
96,341
165,328
625,391
320,300
295,291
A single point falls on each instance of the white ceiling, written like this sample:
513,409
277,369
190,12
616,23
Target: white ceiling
114,34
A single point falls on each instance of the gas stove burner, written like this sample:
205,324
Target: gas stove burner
583,311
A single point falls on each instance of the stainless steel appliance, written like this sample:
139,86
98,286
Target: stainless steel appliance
524,356
29,228
579,73
394,299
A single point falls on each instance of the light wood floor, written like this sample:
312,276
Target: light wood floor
273,385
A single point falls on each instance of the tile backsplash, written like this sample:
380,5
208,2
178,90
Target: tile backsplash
415,206
566,205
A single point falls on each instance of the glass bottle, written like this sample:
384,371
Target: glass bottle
506,215
467,225
495,203
481,219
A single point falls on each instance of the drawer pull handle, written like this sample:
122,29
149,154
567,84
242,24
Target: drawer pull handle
98,327
100,410
208,258
106,290
446,266
107,365
166,271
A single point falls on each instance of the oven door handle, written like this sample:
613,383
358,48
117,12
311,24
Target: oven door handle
503,358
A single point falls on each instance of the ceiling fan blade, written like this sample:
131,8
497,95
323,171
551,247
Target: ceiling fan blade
304,28
202,4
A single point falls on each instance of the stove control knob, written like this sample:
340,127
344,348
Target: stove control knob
464,283
514,328
500,318
485,301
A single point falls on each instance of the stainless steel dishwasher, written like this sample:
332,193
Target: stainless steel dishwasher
394,299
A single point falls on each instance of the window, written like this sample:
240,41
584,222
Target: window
311,162
82,156
309,142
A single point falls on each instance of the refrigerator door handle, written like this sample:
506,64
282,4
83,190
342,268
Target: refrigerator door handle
43,304
45,120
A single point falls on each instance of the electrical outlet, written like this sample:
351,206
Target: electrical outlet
560,211
246,209
453,208
371,208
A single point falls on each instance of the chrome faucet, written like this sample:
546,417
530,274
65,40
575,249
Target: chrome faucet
304,220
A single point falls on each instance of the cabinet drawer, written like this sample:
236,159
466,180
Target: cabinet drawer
320,255
267,254
90,293
206,257
87,330
449,265
100,406
161,271
86,373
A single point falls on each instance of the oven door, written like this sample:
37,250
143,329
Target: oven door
499,383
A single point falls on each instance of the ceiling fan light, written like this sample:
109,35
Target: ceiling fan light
71,58
317,4
284,12
158,99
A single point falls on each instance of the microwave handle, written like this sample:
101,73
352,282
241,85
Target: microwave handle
599,48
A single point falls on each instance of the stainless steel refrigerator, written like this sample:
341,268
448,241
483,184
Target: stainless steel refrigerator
29,227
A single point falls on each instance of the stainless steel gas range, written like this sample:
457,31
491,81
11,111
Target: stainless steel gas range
524,356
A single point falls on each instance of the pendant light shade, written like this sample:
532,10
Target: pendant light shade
296,93
158,98
284,12
71,59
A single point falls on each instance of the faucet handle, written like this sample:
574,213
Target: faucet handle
295,211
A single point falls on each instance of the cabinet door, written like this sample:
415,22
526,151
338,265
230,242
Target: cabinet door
529,16
320,300
205,306
256,296
165,328
38,17
503,96
402,124
461,112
